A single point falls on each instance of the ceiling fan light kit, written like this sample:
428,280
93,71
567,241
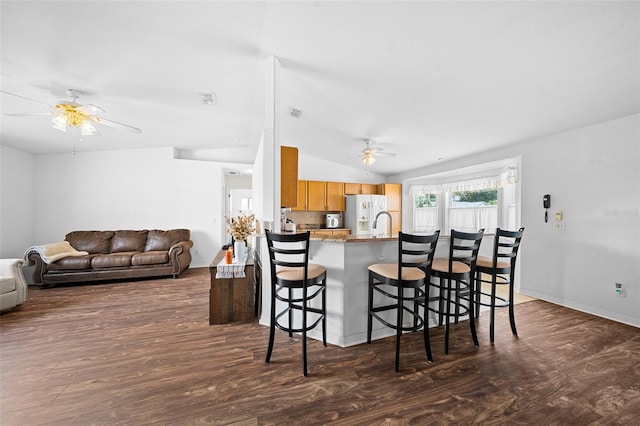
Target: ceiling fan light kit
79,116
368,159
72,114
371,150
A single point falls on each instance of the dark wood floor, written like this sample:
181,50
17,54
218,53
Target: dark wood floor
144,353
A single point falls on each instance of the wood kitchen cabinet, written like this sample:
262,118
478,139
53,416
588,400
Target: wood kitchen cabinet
325,196
335,197
288,176
302,196
329,232
393,191
360,188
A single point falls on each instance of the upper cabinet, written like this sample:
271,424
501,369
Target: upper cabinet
360,188
321,196
316,195
302,196
335,196
288,176
393,191
325,196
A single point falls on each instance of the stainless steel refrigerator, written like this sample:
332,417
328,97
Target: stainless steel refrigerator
361,212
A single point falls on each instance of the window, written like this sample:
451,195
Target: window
425,212
465,205
472,210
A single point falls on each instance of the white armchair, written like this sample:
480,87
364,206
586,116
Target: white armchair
13,287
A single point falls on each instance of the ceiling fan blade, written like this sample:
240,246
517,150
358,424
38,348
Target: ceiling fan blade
26,114
24,97
116,125
90,109
385,154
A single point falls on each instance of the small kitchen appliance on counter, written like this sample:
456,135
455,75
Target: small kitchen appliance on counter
334,220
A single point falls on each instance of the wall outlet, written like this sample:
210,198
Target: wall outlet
620,290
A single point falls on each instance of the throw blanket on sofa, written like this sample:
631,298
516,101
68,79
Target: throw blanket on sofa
54,251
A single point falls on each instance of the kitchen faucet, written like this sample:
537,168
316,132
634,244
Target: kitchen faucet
375,222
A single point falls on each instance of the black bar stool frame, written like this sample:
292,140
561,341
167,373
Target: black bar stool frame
501,268
295,282
411,272
460,269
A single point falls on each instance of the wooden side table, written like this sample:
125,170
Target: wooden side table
232,299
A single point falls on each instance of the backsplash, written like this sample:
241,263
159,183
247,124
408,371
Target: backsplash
308,219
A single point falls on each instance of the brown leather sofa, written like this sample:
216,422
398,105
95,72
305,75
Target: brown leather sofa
122,254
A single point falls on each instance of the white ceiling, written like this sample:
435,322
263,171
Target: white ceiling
428,80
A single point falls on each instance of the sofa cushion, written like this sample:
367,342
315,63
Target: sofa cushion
7,285
150,258
158,240
114,260
91,241
128,241
75,263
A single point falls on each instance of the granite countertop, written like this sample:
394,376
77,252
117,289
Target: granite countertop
352,238
309,228
343,238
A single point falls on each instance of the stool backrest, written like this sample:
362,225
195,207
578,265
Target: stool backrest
464,247
506,245
288,250
416,251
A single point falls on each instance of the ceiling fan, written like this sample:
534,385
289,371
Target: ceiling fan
71,113
371,150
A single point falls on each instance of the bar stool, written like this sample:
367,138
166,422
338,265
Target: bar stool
460,268
296,282
501,269
411,272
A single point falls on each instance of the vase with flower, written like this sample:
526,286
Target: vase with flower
240,227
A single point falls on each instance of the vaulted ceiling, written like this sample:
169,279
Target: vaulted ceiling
426,80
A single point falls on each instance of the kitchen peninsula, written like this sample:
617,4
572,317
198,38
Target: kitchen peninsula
346,258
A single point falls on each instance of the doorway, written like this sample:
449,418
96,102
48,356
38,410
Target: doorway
238,197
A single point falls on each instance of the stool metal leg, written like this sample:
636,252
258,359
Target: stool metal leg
370,307
304,330
324,310
512,317
472,319
399,320
272,325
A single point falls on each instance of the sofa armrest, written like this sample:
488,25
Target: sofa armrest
34,258
180,256
13,268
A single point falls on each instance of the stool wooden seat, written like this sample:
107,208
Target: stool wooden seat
296,283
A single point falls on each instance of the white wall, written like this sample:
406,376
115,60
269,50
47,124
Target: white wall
311,168
593,176
128,189
17,202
